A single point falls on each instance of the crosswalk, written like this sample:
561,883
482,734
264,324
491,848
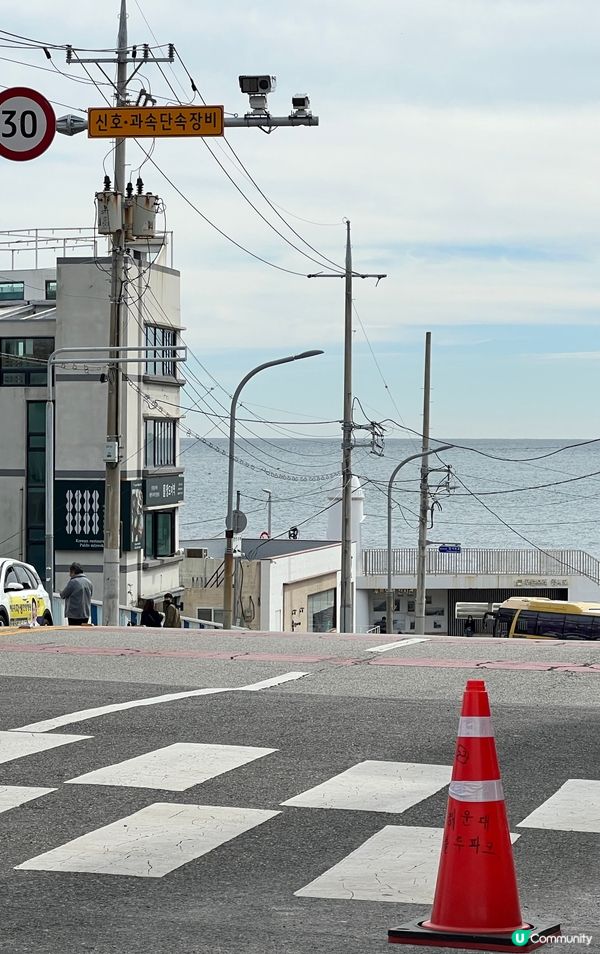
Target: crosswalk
396,863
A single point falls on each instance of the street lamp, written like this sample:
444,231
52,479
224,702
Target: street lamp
269,509
389,601
228,580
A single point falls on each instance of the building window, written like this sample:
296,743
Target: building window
36,485
159,447
321,612
51,289
12,291
24,361
161,364
159,533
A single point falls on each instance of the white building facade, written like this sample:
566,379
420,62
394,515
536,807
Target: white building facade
42,310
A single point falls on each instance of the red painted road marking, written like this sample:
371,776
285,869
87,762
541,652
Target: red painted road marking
305,659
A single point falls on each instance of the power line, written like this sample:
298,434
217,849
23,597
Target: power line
521,535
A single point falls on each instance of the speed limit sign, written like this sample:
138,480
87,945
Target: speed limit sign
27,123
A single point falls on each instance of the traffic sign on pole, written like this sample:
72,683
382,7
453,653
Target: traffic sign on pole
145,122
450,548
27,123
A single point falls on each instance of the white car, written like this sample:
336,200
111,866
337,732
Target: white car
23,599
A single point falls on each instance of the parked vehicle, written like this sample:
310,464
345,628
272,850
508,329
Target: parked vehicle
535,617
23,599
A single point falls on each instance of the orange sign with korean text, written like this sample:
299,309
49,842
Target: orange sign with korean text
143,122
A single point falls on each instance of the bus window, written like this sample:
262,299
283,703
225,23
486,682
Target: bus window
578,627
551,624
502,621
526,624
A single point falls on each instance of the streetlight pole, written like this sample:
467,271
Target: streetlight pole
389,601
269,509
228,570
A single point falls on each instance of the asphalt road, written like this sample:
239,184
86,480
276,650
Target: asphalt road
192,850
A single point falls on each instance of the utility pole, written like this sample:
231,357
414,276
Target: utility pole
346,600
420,598
236,569
269,510
112,456
346,589
112,497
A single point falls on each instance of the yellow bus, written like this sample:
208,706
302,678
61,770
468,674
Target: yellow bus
535,617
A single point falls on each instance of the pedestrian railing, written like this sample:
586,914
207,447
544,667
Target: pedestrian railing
527,563
128,616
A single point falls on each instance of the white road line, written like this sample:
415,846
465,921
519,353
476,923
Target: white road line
15,745
47,725
151,842
174,768
574,807
376,787
397,864
11,796
402,642
269,683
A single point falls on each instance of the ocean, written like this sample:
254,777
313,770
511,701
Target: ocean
514,502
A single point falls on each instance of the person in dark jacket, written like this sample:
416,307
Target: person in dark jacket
172,617
77,595
150,615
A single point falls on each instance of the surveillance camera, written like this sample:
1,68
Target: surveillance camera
300,101
257,84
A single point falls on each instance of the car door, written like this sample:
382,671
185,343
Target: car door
17,597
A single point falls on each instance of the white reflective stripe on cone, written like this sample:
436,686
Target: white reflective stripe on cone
477,791
479,727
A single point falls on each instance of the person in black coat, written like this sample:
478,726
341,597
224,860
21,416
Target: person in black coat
150,615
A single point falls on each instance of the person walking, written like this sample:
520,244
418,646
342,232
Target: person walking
77,595
172,617
150,615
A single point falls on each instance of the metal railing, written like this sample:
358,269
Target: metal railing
128,616
40,242
551,563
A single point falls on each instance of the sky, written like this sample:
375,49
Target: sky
460,138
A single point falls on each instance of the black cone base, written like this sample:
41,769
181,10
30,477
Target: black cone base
414,933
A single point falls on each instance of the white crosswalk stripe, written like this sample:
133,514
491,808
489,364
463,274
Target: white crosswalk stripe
175,767
11,796
574,807
399,864
374,786
152,842
16,745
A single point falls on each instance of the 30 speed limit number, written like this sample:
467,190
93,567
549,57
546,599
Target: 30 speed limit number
27,123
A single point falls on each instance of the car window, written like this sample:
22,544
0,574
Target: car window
11,576
23,577
34,578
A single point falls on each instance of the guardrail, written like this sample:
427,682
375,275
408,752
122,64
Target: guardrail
551,563
128,616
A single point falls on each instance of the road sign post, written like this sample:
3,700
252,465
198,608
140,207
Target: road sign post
27,123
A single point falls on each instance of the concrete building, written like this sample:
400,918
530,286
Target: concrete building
42,310
282,585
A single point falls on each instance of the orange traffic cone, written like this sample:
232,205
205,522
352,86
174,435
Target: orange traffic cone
476,902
